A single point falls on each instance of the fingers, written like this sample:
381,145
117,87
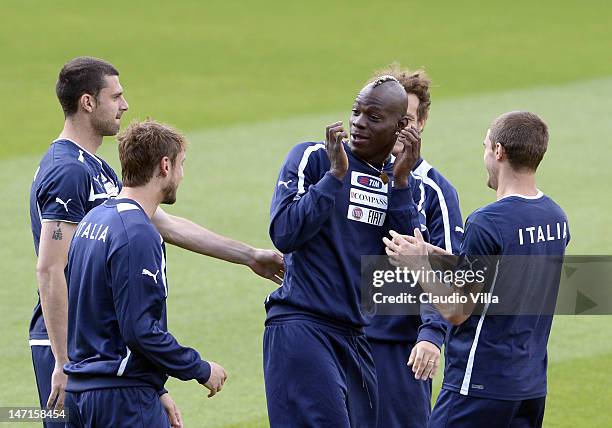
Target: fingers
394,234
329,127
173,417
391,245
426,361
179,417
410,138
334,133
59,404
53,397
412,356
219,384
277,279
418,367
434,369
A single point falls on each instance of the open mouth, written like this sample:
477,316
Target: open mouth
358,138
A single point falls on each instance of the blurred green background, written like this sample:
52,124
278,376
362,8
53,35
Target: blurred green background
248,80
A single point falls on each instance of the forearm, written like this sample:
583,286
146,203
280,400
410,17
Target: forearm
402,211
433,326
54,301
454,312
163,350
190,236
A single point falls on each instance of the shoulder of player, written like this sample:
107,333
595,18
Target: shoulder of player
484,216
307,149
434,181
426,170
308,156
66,167
138,227
554,206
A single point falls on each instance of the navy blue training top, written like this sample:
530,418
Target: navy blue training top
504,356
117,319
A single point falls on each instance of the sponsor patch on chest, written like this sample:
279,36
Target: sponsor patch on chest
367,181
367,198
366,215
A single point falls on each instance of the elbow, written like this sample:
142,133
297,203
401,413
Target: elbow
283,242
44,275
131,339
283,245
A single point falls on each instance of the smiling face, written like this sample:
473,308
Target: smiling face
378,114
109,107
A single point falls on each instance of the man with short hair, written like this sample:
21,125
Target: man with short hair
496,364
120,351
405,397
69,182
333,203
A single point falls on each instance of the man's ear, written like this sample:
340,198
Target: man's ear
87,102
421,124
500,152
164,166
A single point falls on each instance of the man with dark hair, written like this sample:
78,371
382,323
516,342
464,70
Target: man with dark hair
69,182
333,203
79,76
496,363
120,351
405,398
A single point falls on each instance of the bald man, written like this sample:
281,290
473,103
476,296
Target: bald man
333,203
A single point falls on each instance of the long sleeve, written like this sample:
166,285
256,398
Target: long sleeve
139,294
444,224
444,219
402,212
303,200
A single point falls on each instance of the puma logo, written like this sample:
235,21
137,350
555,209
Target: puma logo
148,273
65,204
284,183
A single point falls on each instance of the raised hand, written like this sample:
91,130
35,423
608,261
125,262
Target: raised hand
334,134
410,139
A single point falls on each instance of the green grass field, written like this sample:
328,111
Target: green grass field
247,82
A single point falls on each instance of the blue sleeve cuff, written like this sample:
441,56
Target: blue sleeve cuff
433,335
329,185
162,392
203,372
400,197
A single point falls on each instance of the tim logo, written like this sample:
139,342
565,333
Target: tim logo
357,213
367,181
